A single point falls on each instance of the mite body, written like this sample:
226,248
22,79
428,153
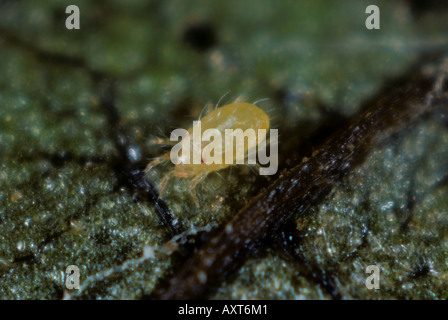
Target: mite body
233,116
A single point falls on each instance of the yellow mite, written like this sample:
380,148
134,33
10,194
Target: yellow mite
232,116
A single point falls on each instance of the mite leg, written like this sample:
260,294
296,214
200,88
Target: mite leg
193,184
165,181
155,162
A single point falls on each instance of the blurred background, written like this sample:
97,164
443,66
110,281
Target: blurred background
63,200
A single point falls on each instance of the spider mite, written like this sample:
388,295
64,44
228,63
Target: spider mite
235,122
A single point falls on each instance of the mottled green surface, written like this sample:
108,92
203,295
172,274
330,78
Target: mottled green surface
75,212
